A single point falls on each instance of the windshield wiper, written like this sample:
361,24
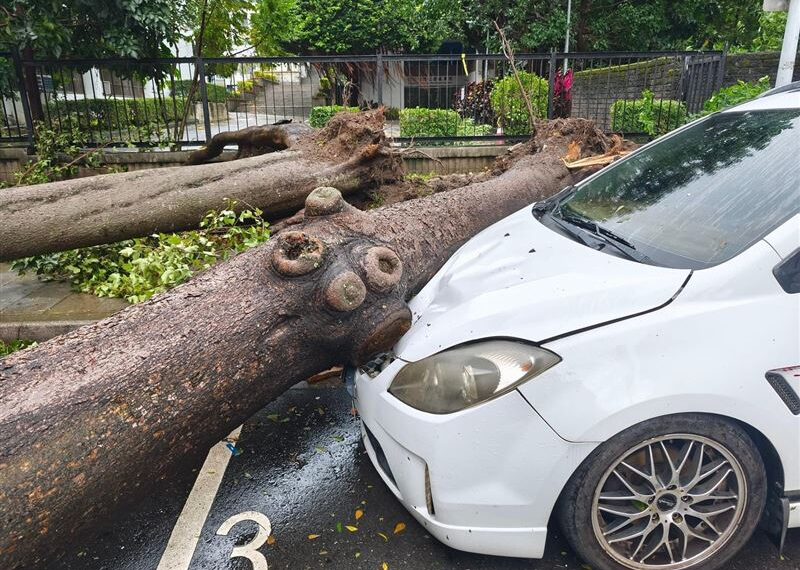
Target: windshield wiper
548,204
569,230
607,236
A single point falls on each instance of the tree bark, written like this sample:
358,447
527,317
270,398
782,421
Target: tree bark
91,420
350,153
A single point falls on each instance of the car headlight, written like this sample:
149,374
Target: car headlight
469,374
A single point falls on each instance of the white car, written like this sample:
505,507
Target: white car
624,356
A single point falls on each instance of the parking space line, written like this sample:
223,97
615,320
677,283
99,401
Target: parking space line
186,533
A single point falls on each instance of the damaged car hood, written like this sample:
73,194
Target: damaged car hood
520,279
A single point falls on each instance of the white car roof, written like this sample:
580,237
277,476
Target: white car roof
786,100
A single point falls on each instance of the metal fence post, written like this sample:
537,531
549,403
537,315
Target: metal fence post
552,84
204,97
23,95
379,77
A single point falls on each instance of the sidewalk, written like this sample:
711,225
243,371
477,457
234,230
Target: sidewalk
31,309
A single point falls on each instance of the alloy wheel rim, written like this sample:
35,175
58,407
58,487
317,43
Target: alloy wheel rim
669,503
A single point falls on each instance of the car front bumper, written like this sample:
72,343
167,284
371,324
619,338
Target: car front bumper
482,480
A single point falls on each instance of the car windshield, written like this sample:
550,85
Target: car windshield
700,196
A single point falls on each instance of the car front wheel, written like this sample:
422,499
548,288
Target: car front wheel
672,493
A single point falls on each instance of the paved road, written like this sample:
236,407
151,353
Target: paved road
302,465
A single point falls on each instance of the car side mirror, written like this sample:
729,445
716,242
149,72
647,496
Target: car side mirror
787,272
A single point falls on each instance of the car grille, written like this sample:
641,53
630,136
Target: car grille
380,455
378,364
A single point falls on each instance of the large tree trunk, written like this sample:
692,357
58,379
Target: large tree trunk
95,418
351,154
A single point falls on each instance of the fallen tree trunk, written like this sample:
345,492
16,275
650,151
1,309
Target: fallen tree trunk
250,141
91,420
351,153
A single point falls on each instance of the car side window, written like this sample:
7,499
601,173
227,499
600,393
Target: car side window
787,272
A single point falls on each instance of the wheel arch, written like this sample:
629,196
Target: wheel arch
769,454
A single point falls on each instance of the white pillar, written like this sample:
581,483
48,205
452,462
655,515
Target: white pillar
790,44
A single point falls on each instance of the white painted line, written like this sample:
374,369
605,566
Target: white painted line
186,534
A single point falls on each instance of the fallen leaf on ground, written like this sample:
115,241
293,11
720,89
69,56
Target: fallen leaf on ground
399,528
359,514
313,536
271,539
384,566
358,554
351,528
338,527
383,536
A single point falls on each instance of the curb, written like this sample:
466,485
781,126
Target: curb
37,330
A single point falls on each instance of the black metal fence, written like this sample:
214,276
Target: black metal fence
161,102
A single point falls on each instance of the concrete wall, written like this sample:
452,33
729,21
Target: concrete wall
11,160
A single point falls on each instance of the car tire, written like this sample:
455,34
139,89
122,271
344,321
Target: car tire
607,501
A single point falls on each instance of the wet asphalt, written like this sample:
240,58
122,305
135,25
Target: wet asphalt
303,466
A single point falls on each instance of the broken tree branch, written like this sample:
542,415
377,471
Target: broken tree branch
350,153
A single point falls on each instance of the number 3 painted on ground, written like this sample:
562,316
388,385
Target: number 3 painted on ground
250,550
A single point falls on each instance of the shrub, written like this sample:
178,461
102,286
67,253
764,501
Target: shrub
139,268
469,128
216,93
646,115
321,115
267,76
509,104
244,86
116,114
391,113
736,94
476,104
419,122
7,348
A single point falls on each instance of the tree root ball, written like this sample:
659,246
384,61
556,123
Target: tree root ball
345,292
297,254
323,201
382,268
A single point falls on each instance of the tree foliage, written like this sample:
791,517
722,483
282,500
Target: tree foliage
365,26
91,28
273,26
218,26
621,25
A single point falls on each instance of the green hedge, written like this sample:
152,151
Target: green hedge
321,115
736,94
105,114
646,115
509,104
420,122
216,93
